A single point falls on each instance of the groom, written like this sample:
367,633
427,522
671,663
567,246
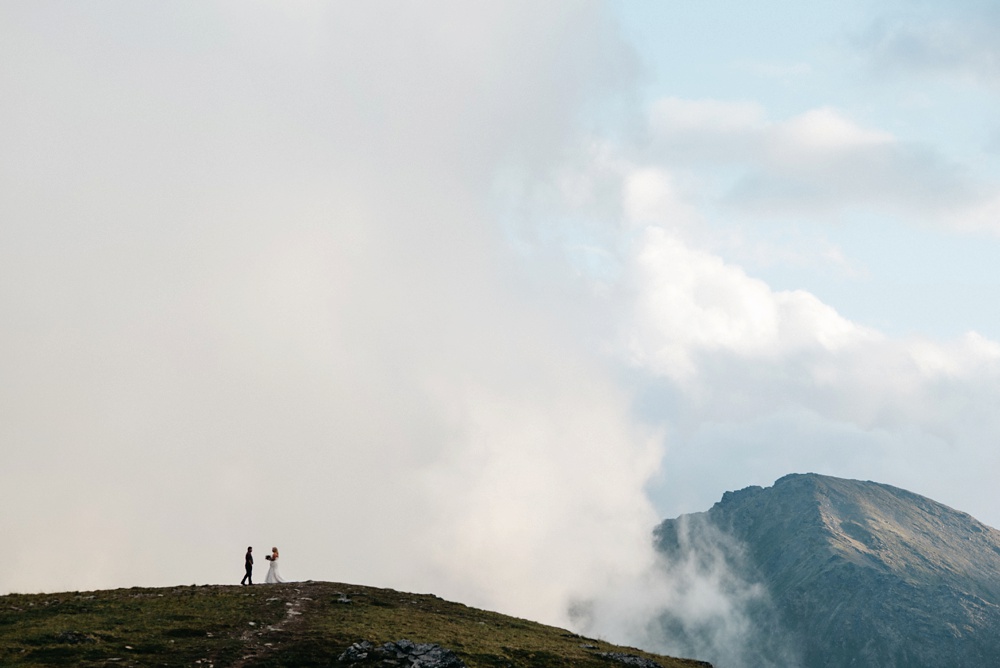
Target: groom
248,578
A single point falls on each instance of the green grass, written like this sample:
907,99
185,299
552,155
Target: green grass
251,626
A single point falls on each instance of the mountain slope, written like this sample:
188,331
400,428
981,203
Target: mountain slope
299,624
861,573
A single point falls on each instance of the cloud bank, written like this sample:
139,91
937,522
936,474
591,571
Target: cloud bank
254,294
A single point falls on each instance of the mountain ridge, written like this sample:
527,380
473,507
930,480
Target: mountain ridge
863,573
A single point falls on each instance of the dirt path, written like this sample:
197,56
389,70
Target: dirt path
259,640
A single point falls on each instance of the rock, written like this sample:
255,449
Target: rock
630,659
404,652
422,655
357,652
74,638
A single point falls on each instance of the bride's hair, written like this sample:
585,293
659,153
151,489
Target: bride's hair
275,550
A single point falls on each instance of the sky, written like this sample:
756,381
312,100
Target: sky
466,298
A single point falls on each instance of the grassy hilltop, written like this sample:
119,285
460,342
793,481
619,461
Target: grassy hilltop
297,624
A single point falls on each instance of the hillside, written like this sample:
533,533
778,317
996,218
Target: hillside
861,573
299,624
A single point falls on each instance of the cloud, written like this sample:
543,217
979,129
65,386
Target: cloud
698,598
962,45
692,301
256,293
729,338
819,164
730,360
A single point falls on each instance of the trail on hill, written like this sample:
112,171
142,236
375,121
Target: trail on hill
258,641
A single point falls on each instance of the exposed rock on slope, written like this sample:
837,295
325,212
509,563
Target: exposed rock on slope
861,573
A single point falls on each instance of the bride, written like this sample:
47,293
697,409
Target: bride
273,576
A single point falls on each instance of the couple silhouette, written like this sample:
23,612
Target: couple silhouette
273,576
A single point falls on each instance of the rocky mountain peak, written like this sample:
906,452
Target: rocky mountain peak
862,573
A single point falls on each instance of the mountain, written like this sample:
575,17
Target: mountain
298,624
858,573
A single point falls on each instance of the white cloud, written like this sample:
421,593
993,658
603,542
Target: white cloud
707,325
816,165
699,600
727,356
821,131
255,294
527,467
691,302
652,195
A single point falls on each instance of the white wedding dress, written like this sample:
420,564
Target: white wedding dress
273,576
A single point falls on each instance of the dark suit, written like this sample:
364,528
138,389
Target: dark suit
248,578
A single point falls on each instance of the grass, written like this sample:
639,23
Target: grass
298,624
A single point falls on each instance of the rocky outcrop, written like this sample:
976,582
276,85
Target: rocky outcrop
861,573
630,659
403,653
